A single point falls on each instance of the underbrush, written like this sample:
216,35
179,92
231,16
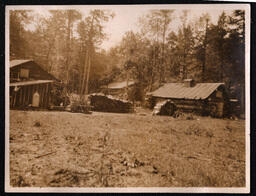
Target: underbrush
198,130
185,116
66,149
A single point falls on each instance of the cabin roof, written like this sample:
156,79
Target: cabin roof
33,65
119,85
180,91
32,82
15,63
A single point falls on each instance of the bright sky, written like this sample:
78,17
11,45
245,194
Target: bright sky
127,19
126,16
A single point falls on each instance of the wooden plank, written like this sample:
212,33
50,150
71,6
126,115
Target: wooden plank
28,95
11,96
43,95
32,92
24,96
38,90
49,98
42,90
20,96
14,100
40,94
47,95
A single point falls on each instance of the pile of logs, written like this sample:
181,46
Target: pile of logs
104,103
166,107
78,108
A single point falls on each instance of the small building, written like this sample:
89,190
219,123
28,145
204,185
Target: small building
117,88
27,78
203,98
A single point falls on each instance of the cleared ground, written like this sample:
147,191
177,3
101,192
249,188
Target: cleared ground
64,149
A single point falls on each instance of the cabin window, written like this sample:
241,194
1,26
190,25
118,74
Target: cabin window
24,73
219,94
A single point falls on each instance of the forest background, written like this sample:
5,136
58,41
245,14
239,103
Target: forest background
68,45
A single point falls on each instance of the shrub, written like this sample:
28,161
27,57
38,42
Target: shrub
37,124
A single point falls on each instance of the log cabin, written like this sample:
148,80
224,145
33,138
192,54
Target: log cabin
27,78
203,98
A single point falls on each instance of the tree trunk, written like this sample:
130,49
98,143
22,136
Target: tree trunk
88,59
88,75
68,55
205,47
84,73
163,51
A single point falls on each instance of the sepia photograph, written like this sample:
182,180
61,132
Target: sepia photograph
128,98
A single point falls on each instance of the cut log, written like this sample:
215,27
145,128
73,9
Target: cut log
166,107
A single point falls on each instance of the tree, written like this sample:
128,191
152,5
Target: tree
236,52
181,47
217,57
156,26
202,28
91,34
45,45
18,19
236,46
72,16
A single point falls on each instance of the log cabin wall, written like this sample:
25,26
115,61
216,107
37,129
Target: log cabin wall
185,105
215,104
23,97
27,77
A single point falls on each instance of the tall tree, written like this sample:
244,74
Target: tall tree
236,45
156,26
72,16
202,28
18,19
91,34
236,52
217,49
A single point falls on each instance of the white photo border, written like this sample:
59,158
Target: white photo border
232,6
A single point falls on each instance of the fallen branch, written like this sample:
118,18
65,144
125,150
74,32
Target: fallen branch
45,154
198,158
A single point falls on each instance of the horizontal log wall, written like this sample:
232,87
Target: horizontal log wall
198,106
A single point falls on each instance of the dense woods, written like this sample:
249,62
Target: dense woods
67,44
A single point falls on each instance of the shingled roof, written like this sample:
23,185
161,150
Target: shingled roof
180,91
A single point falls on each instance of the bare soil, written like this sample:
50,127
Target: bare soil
61,149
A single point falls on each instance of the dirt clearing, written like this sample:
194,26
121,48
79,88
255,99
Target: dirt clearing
61,149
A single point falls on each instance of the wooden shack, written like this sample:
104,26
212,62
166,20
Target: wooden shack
26,78
117,88
203,98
